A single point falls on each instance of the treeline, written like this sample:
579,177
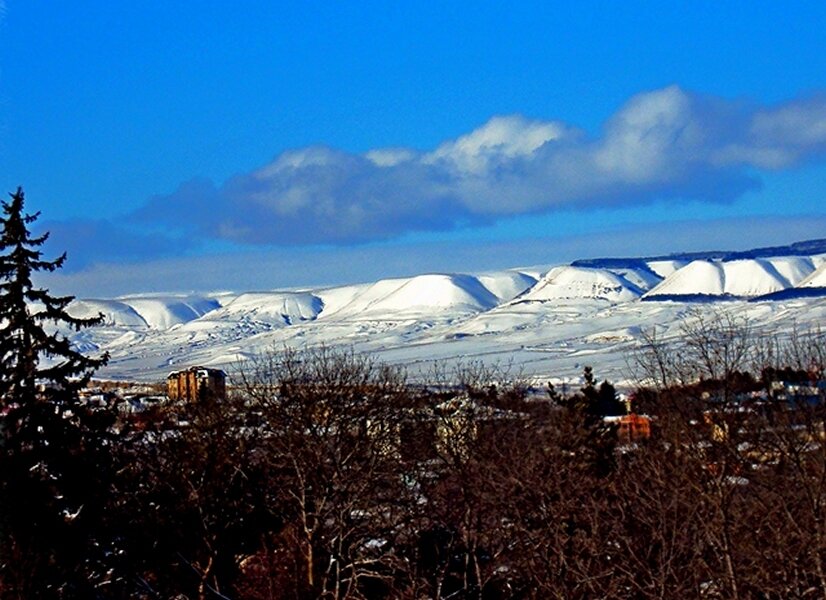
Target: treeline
330,476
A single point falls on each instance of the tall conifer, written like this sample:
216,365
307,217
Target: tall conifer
54,452
26,313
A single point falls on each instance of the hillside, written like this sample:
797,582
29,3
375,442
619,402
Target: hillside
546,324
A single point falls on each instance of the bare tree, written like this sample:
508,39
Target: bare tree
656,362
192,501
328,419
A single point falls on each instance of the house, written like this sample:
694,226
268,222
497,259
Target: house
631,427
190,384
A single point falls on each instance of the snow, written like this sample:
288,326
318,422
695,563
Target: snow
568,282
115,313
156,312
641,278
698,277
462,292
740,278
546,328
748,278
162,312
274,308
793,268
816,279
664,268
415,295
507,285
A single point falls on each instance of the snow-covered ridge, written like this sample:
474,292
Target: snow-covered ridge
538,318
454,294
410,296
275,308
579,283
817,278
155,312
740,278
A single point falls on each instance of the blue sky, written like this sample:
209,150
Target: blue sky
172,146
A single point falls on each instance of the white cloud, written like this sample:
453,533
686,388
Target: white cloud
651,139
795,125
662,144
501,139
270,269
390,157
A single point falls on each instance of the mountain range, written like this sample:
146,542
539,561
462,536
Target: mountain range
546,322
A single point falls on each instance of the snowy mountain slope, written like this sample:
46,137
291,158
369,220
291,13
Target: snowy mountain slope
793,268
507,285
698,277
643,278
439,292
634,270
817,278
157,312
569,282
739,278
244,317
275,308
115,313
665,268
755,277
162,312
415,295
550,327
536,272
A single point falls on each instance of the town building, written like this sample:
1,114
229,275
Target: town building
191,384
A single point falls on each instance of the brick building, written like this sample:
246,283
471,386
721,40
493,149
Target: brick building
191,383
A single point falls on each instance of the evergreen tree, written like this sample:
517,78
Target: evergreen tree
25,312
595,403
53,451
608,401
